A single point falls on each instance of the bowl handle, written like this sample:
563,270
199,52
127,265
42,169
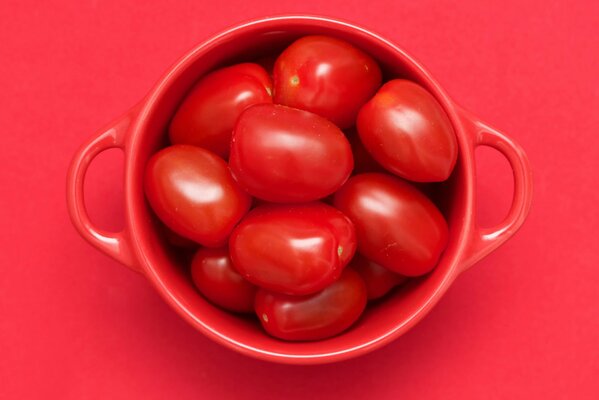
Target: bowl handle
484,240
115,244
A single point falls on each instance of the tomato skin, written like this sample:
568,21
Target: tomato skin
207,115
396,225
338,223
407,131
313,317
292,249
326,76
193,193
215,277
378,280
286,155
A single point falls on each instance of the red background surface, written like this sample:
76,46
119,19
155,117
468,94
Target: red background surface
523,323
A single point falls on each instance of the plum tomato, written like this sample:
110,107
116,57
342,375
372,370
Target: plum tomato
407,131
326,76
396,225
282,154
293,249
339,223
193,193
379,280
215,277
316,316
207,115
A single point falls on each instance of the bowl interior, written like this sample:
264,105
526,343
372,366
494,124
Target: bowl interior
168,266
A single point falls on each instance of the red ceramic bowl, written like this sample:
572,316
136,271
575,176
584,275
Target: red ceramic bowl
141,132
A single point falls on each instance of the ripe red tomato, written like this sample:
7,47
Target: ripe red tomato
214,275
326,76
293,249
193,193
283,154
397,226
313,317
339,223
407,131
207,115
379,280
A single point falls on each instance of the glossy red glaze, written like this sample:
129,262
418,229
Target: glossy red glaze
282,154
140,133
207,115
316,316
406,130
292,249
215,277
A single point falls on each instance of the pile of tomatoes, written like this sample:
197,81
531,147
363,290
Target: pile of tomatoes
295,183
